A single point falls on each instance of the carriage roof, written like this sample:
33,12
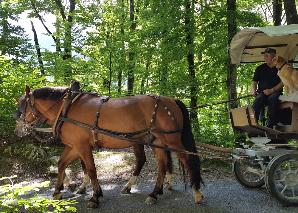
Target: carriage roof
249,43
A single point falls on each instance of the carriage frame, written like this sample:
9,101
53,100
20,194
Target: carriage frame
266,158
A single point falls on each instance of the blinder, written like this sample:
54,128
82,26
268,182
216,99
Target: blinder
21,111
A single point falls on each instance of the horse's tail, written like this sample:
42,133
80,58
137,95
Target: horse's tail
193,161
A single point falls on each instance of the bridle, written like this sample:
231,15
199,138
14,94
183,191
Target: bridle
22,121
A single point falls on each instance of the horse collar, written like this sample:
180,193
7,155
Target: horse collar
282,66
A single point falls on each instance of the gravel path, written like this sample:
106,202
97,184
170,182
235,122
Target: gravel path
221,196
222,192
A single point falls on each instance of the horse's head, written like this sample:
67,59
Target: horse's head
38,105
26,115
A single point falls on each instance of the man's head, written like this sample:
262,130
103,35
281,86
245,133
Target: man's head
269,54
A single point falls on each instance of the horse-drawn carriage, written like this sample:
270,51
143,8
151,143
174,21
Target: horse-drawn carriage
90,121
271,158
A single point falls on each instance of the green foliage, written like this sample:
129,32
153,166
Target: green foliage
18,198
14,77
29,151
13,40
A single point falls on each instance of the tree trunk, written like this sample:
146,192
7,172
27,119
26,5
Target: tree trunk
189,31
46,28
232,74
58,34
122,52
68,31
291,11
67,43
4,35
277,12
110,73
131,53
37,47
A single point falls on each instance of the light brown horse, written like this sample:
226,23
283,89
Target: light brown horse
120,123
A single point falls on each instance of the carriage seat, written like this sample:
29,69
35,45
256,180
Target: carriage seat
244,120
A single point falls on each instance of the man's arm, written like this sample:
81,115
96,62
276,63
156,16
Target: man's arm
254,87
276,88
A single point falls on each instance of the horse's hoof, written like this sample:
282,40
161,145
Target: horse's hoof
126,190
57,196
198,197
150,200
81,191
92,205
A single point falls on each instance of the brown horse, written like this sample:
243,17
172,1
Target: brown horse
118,123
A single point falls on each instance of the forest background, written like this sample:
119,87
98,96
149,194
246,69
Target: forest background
177,48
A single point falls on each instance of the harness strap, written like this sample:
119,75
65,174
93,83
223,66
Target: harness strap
122,137
68,99
54,129
128,136
96,122
153,118
34,112
111,133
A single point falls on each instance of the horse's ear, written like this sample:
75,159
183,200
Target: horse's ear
27,90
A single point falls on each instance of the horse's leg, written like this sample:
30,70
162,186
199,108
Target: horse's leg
87,158
65,159
192,163
140,161
86,180
169,173
162,159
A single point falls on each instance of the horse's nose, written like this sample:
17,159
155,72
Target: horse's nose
16,114
19,133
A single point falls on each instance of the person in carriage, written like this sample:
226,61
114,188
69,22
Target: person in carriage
267,87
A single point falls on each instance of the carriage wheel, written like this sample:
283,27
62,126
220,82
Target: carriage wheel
282,179
249,173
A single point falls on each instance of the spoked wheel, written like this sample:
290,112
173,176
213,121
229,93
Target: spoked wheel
249,173
282,179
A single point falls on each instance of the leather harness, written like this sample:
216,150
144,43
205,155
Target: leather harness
71,97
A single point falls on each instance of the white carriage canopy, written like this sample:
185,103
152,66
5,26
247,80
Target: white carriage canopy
248,44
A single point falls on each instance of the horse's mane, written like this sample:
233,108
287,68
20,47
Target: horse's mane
51,93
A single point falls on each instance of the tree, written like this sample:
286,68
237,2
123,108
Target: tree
13,40
232,75
131,53
291,11
277,12
189,33
37,47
